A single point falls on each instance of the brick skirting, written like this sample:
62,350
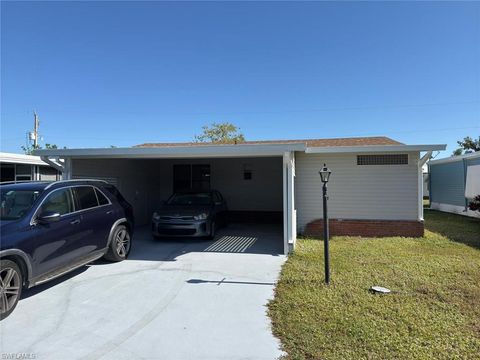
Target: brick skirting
366,228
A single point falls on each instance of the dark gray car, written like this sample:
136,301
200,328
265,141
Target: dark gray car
197,214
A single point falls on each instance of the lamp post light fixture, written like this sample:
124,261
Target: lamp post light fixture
325,176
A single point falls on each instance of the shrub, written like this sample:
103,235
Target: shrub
474,205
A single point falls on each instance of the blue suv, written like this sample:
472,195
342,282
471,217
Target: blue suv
49,229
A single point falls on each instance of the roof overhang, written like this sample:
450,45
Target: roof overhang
456,158
374,149
200,151
12,158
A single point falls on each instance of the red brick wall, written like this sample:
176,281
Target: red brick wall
366,228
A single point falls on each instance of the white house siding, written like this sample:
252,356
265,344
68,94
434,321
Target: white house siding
146,183
373,192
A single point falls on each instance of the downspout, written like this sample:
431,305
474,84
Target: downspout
421,162
465,168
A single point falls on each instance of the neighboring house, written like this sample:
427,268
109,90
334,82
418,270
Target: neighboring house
20,167
454,181
426,191
376,186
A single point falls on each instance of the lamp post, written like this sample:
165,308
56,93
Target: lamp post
325,176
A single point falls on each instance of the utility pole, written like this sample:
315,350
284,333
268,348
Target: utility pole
35,130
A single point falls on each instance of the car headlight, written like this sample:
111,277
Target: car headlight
201,216
156,216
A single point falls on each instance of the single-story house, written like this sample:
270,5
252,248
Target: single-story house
376,186
20,167
454,182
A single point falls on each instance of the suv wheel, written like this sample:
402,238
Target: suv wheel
11,281
119,245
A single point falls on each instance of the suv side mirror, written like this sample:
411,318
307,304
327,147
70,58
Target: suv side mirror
47,217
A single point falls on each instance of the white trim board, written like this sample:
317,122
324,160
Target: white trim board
200,151
374,148
454,209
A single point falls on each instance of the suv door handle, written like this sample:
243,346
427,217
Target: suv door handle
109,212
75,222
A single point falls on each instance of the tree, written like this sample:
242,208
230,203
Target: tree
467,144
220,133
29,149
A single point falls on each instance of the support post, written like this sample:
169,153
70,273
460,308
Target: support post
326,235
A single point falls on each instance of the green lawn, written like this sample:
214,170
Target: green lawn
434,312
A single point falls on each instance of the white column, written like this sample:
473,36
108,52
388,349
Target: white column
289,212
67,169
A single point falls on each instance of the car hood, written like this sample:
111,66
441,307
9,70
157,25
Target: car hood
182,210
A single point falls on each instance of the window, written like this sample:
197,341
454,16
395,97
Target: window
188,177
16,203
7,172
102,200
59,201
390,159
85,196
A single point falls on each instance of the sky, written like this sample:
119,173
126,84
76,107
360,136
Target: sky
124,73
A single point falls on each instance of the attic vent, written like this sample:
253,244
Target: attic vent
391,159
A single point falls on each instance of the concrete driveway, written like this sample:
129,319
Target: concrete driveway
182,299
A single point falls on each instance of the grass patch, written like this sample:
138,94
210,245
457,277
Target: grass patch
434,311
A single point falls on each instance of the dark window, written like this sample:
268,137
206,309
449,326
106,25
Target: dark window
188,177
247,175
102,200
7,172
59,201
390,159
85,196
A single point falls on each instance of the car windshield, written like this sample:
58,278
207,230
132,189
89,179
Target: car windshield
14,204
190,199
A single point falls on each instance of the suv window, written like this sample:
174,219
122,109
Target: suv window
85,196
114,191
102,200
16,203
59,201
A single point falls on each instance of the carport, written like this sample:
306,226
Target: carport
257,180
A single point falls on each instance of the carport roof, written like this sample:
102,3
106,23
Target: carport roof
353,141
244,149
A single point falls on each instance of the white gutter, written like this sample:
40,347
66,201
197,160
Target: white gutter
203,151
373,148
12,158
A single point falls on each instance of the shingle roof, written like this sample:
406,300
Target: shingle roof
355,141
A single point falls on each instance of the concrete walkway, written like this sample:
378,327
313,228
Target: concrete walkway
182,299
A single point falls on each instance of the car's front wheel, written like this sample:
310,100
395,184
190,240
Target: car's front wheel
213,229
120,244
11,282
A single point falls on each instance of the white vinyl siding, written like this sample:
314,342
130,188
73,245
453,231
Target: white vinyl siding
375,192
